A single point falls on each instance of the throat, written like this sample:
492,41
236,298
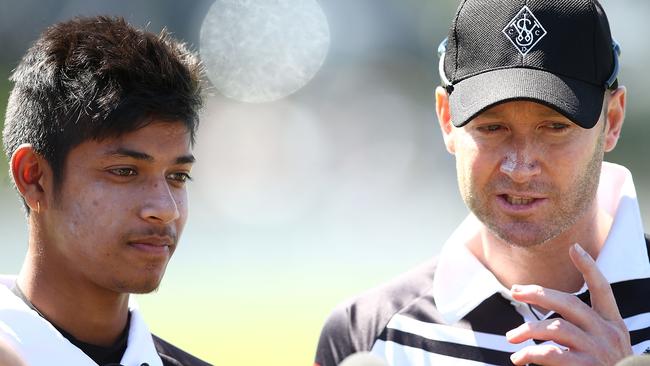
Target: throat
101,354
547,264
96,320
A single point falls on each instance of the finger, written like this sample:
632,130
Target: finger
557,330
547,355
569,306
602,298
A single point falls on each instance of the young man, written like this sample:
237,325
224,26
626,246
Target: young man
99,130
529,105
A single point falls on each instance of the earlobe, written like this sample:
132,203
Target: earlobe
27,168
615,118
444,118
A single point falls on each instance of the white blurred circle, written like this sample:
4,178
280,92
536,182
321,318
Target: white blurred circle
263,50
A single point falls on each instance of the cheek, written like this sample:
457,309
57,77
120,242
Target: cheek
90,214
183,209
466,151
473,163
571,164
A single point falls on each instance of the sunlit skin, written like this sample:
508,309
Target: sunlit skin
527,172
109,230
8,356
530,175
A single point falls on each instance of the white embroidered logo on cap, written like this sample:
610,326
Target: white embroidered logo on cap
524,30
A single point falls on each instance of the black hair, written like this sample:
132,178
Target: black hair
92,78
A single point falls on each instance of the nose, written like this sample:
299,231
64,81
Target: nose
160,204
520,163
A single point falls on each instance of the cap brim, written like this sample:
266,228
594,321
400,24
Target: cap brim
578,101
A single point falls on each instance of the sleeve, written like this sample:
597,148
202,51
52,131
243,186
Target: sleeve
174,356
355,325
335,342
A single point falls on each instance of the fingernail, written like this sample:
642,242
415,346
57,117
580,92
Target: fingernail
579,249
516,288
515,357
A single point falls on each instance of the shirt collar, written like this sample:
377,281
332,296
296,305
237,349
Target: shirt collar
39,342
461,282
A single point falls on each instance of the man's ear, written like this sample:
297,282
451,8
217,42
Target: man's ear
444,119
29,169
615,117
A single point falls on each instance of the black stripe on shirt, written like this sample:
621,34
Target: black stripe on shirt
638,336
481,319
630,297
495,315
627,294
450,349
634,294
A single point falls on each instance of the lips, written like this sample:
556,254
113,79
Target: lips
155,245
518,200
520,203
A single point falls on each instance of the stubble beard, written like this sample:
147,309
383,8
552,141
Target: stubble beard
143,285
151,274
571,205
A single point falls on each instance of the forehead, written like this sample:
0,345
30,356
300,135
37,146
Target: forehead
166,132
160,140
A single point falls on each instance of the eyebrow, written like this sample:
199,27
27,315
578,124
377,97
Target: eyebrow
138,155
185,159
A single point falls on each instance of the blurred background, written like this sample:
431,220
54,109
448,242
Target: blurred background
302,202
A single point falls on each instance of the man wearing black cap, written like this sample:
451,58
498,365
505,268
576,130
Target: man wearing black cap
529,105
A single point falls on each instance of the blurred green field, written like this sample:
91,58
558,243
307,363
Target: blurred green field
272,320
237,328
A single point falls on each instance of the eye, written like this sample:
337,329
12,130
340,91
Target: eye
124,172
180,177
557,126
490,128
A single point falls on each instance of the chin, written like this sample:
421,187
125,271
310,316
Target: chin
523,235
139,284
149,285
145,289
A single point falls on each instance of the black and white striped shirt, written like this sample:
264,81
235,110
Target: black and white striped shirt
452,310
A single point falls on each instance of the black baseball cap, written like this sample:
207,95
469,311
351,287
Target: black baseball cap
557,53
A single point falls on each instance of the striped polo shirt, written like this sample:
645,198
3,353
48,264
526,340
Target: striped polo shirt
453,311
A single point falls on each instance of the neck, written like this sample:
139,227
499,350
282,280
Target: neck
547,264
86,311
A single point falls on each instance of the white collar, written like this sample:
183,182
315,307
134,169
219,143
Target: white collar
461,282
41,344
